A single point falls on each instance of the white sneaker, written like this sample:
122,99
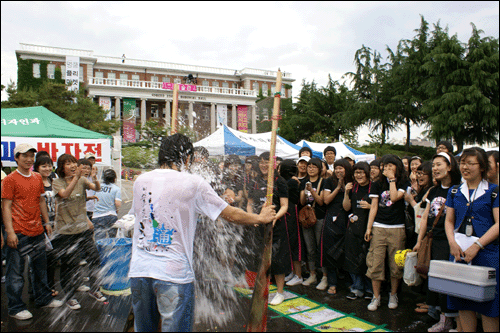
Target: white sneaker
55,303
83,288
295,281
82,262
289,277
310,280
23,315
374,304
323,284
393,301
73,304
278,299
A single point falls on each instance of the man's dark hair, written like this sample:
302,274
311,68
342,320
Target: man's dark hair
202,151
447,144
84,161
175,149
330,148
265,156
109,176
305,149
288,169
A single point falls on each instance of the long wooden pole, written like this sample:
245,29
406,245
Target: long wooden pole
258,313
175,104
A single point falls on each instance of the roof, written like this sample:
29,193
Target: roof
39,122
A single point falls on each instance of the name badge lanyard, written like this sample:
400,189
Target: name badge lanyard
468,219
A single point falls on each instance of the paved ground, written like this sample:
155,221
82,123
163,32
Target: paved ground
114,316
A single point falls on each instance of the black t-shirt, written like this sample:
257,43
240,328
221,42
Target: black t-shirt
359,193
335,206
436,198
320,210
293,192
258,192
388,212
50,200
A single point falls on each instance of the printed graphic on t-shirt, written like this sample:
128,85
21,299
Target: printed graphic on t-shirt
385,199
153,237
436,204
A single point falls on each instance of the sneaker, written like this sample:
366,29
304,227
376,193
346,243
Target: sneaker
310,280
82,262
55,303
23,315
3,279
368,295
4,262
73,304
442,326
83,288
278,299
97,295
393,301
355,294
323,284
374,304
295,281
289,277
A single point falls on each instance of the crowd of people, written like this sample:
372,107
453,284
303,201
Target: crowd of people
47,219
364,214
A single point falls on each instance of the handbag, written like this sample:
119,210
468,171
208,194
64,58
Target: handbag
307,215
424,252
410,275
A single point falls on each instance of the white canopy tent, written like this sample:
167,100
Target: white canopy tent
342,150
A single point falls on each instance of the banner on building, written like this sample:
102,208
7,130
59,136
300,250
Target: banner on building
105,103
101,148
73,73
182,87
243,118
221,115
128,120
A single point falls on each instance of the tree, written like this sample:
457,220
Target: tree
151,133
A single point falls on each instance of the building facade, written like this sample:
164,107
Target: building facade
119,79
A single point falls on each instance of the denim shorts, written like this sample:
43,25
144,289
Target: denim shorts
156,300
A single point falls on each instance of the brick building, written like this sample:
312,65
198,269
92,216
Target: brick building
118,79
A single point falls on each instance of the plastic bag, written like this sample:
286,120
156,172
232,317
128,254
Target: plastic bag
410,275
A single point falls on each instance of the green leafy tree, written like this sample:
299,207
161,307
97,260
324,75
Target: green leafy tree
151,133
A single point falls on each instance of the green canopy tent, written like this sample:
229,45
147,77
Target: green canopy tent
46,131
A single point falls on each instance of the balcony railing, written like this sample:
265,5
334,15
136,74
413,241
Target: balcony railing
97,81
56,50
263,72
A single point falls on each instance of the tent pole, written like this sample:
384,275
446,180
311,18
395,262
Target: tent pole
175,103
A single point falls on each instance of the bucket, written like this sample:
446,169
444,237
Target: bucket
115,256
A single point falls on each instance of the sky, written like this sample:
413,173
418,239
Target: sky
308,39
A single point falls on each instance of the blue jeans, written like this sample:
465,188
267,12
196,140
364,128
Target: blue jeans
154,300
361,283
103,224
35,248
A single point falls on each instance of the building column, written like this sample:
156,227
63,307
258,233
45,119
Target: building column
167,113
254,121
190,115
212,118
117,112
143,111
234,121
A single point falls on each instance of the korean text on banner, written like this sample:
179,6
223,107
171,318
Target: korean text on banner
221,115
105,103
243,118
73,73
128,120
101,148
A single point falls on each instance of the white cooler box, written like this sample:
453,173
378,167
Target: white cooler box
475,283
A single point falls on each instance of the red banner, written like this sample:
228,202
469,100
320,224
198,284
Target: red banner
243,118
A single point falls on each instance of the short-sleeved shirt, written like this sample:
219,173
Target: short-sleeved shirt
435,199
481,207
25,192
166,207
359,193
258,192
389,214
50,200
335,206
106,203
319,210
71,212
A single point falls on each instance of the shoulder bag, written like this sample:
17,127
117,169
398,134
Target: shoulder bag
307,216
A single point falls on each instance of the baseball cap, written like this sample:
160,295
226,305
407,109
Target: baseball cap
89,155
23,148
303,158
350,156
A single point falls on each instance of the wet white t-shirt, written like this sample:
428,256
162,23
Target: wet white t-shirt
166,206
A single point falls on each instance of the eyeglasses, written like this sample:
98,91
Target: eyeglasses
468,164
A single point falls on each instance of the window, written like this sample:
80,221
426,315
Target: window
177,80
264,89
123,79
257,116
154,78
112,76
266,116
205,83
235,85
215,84
63,72
51,68
273,89
165,79
99,77
225,85
81,74
36,70
135,80
283,91
256,87
154,111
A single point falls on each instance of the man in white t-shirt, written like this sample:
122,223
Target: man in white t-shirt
167,202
